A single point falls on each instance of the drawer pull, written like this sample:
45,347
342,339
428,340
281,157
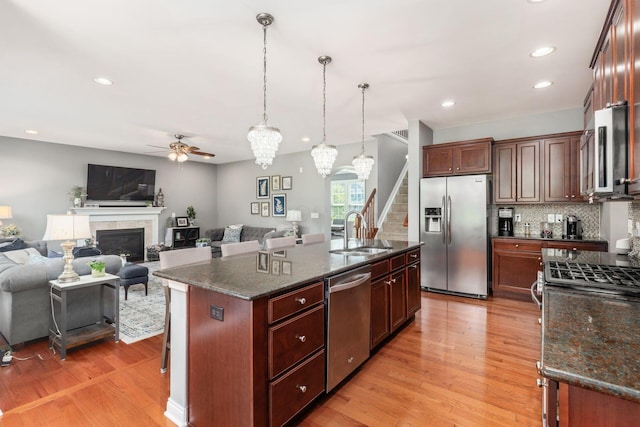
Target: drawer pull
414,256
302,338
414,266
302,301
302,388
517,245
394,280
387,282
350,360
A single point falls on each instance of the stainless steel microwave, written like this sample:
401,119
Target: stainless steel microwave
611,147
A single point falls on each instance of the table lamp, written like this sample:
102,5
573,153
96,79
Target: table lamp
294,216
68,228
5,213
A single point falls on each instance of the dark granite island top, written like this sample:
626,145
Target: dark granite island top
592,341
251,276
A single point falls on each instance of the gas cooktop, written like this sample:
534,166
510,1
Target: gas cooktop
620,280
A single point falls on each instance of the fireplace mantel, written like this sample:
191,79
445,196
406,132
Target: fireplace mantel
124,217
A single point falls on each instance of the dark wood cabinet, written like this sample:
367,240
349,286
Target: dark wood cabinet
517,171
516,262
413,282
182,237
561,166
457,158
379,311
397,300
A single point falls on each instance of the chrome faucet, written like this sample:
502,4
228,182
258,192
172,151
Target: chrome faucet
346,226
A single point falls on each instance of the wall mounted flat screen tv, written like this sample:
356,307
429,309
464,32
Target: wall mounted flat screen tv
114,183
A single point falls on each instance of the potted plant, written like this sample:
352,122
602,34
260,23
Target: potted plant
76,194
97,268
191,214
203,242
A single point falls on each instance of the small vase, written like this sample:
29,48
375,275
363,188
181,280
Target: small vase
77,202
97,273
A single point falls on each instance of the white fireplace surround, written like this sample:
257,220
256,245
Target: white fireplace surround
116,218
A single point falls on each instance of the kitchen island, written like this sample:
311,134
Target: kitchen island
233,320
590,348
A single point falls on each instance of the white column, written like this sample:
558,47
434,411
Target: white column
419,136
177,402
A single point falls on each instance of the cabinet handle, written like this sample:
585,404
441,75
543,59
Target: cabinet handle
350,360
517,245
302,338
538,365
449,168
457,169
394,280
414,266
414,256
302,388
573,196
387,282
302,301
566,196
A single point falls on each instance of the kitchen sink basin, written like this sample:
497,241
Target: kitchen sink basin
362,251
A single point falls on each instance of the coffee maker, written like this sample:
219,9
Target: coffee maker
572,228
505,221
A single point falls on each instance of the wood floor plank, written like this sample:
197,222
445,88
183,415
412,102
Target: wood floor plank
461,362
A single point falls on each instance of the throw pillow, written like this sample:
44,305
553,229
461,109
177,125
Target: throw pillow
54,254
37,259
232,235
21,256
85,251
12,245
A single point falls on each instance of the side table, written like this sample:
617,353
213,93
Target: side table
64,339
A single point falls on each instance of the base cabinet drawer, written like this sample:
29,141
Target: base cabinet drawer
291,393
295,339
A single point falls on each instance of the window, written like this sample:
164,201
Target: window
346,195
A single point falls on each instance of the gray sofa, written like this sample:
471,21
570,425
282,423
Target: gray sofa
248,233
25,305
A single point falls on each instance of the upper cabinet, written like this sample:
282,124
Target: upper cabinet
540,169
616,77
457,158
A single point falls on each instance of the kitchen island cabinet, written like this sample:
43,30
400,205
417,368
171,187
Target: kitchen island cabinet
516,262
255,346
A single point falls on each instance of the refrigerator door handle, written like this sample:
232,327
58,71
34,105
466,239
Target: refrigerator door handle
449,218
442,228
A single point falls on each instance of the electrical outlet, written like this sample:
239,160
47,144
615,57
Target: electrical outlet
518,217
551,218
558,217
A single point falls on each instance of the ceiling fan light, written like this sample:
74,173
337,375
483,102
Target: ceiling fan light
173,156
324,155
363,165
182,157
265,141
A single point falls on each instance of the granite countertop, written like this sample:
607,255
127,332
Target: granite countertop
553,239
592,341
253,276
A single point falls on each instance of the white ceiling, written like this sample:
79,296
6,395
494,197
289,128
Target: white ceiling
195,67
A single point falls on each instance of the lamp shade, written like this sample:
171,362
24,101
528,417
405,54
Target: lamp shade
67,227
5,212
294,215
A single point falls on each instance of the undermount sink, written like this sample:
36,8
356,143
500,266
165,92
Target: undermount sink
362,251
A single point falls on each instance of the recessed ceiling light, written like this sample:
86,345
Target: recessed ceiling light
306,139
543,51
31,131
542,84
535,1
448,104
103,81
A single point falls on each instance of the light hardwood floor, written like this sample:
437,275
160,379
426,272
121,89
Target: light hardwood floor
462,362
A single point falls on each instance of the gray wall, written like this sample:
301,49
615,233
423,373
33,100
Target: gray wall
394,154
35,178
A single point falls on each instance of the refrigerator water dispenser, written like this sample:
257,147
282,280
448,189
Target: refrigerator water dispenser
433,220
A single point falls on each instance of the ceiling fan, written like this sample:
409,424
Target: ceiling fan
179,151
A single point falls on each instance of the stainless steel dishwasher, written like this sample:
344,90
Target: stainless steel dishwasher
348,323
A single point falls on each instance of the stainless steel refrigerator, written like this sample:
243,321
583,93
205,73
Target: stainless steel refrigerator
454,224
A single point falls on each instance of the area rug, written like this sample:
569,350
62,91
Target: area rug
142,316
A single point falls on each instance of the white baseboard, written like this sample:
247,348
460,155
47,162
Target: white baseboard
176,413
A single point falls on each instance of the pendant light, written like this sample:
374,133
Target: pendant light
324,155
363,164
264,139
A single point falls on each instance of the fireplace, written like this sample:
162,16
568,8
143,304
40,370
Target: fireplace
128,241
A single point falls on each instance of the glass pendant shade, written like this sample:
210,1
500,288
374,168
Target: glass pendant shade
363,165
182,157
264,141
173,156
324,155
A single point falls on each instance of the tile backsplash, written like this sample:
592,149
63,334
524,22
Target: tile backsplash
634,214
588,214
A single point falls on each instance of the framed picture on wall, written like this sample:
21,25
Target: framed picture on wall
275,182
264,209
286,267
286,183
279,204
275,267
262,187
262,262
255,208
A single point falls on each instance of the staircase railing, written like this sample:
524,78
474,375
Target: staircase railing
396,188
369,214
